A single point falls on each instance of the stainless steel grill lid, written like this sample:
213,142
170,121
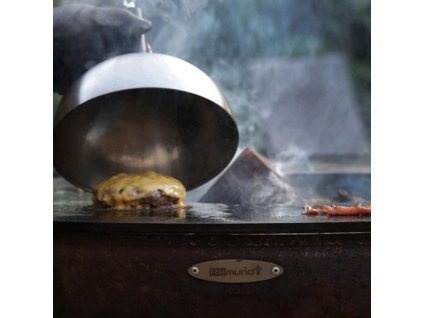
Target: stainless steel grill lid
143,111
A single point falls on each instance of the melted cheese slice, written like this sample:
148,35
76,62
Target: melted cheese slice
124,191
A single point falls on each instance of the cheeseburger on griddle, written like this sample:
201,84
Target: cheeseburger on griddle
139,191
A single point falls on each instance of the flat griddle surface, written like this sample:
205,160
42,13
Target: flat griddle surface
73,211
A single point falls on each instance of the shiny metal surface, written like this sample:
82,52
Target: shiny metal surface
143,111
73,209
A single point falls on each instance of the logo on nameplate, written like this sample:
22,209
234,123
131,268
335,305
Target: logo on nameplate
235,270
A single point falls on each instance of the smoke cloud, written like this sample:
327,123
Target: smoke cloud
224,38
234,40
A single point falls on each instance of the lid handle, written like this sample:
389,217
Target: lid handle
131,6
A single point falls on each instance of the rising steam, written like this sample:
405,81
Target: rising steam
225,37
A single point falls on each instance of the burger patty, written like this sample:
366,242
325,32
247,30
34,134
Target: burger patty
139,191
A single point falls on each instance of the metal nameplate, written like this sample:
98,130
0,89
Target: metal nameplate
235,271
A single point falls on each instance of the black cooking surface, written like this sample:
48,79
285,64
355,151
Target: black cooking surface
73,210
